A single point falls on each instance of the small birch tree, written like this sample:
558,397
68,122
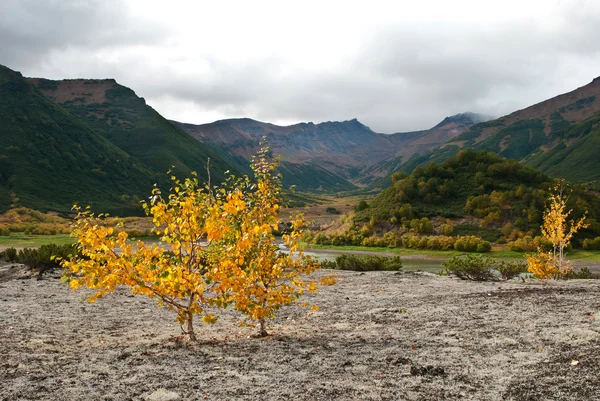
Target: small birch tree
559,231
218,249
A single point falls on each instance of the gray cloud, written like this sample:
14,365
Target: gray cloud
30,30
399,78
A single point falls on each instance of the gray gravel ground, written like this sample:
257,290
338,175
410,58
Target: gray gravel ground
376,336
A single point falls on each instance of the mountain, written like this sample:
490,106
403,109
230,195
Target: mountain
332,156
338,145
50,159
560,136
118,114
414,143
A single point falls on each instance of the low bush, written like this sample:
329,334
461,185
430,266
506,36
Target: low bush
46,257
480,268
32,222
583,274
470,267
510,270
399,238
591,244
529,244
364,263
471,243
9,255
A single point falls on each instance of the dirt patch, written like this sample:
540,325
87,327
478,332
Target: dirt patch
79,91
376,336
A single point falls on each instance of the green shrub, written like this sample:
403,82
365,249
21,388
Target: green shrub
447,228
332,210
45,257
470,267
591,244
365,263
321,239
471,243
362,205
583,274
9,255
328,264
421,226
529,244
481,268
510,270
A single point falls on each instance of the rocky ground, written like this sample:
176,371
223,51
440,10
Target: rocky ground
376,336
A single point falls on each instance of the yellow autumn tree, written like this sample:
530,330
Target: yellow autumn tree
559,231
218,248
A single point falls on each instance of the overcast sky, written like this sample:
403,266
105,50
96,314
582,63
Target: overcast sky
395,65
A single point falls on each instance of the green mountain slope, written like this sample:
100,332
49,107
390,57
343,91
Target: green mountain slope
559,136
311,178
125,119
49,160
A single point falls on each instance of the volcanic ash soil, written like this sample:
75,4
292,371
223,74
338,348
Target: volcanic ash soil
376,336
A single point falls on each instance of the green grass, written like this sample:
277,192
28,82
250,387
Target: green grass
348,247
582,254
22,239
576,254
399,251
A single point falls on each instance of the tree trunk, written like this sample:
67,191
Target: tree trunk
190,327
263,328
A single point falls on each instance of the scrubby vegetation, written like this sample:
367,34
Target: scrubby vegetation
32,221
364,263
9,255
480,184
44,258
480,268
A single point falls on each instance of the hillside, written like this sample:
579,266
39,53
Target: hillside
444,190
474,193
560,136
349,151
118,114
49,159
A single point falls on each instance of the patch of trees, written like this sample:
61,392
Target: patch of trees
495,190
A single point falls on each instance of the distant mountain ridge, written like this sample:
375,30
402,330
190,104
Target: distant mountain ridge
348,150
97,142
118,114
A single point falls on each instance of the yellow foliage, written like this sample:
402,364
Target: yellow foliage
328,280
559,231
541,265
218,249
